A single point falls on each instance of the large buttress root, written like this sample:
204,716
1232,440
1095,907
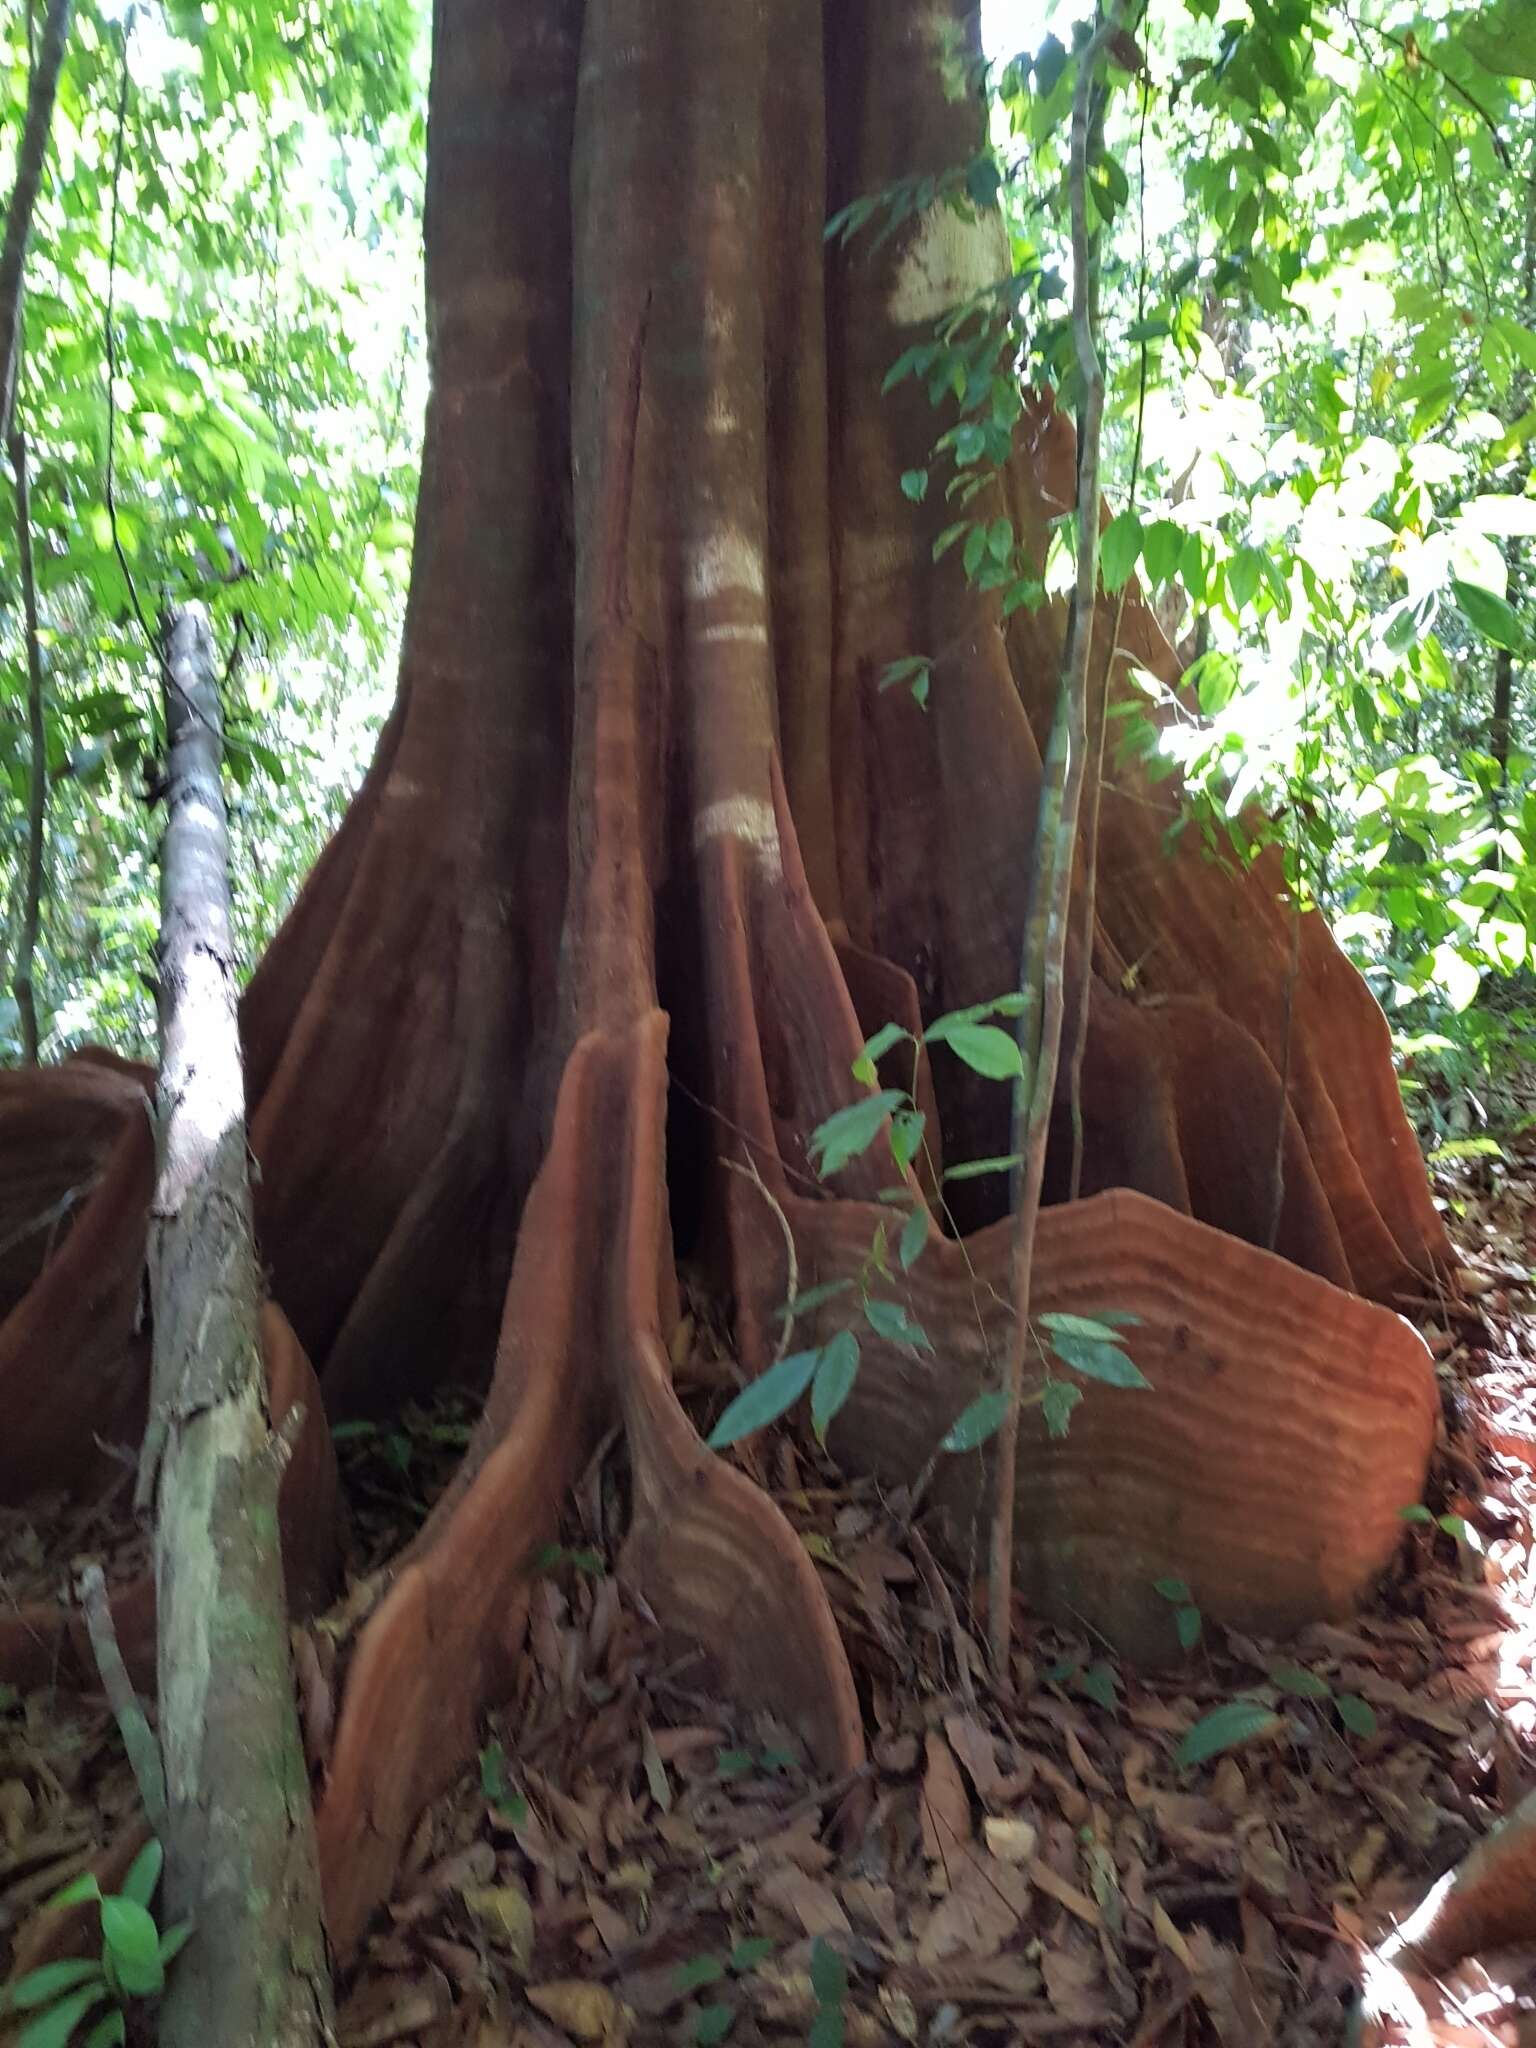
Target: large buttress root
646,852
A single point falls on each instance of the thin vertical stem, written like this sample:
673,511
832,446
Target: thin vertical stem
22,983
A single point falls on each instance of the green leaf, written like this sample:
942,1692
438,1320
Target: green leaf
1490,615
914,484
1213,677
1187,1626
712,2023
696,1972
133,1941
1057,1401
1162,543
1079,1326
975,1424
1106,1363
876,1048
42,1986
79,1889
974,1169
175,1939
1358,1715
747,1955
835,1375
829,1973
1100,1685
851,1131
1118,550
1227,1727
914,1236
53,2028
768,1397
888,1319
827,2029
1305,1685
813,1297
1172,1589
1417,1513
907,1127
144,1874
110,2032
986,1048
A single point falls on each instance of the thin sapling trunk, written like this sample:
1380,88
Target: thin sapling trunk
42,88
240,1848
1042,969
22,986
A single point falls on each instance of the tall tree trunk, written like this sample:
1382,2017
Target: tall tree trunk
644,855
240,1854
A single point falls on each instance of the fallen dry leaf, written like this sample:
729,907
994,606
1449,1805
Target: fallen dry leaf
503,1912
812,1905
1010,1840
588,2012
982,1910
944,1804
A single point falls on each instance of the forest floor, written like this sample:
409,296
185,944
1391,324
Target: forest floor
629,1863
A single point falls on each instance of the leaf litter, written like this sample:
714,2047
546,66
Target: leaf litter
631,1861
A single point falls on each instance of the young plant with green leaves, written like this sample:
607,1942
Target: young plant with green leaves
59,2003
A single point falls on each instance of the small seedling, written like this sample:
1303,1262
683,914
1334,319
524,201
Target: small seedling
1242,1721
510,1807
1186,1615
1455,1526
132,1964
829,1981
714,2021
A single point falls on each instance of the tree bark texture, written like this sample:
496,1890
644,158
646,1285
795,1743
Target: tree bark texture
240,1848
645,853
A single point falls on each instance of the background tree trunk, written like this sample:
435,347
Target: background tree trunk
240,1853
645,853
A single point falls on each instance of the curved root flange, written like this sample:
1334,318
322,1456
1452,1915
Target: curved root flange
1286,1424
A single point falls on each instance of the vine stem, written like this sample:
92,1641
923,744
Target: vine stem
22,982
41,91
1042,964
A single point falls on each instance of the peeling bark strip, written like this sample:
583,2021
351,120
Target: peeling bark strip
240,1853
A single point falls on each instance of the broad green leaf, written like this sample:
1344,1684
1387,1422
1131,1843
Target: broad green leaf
696,1972
975,1424
1100,1685
1417,1513
79,1889
1162,544
1305,1685
1078,1326
1119,547
1358,1715
1491,615
110,2032
810,1298
876,1048
986,1048
1227,1727
144,1874
712,2023
749,1954
829,1973
1057,1401
851,1131
1187,1626
974,1169
1106,1363
1172,1589
52,2029
768,1397
828,2029
1214,679
914,484
51,1981
133,1941
175,1939
835,1375
907,1127
914,1236
890,1320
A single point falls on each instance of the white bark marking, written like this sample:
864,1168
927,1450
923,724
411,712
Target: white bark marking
726,561
947,260
749,819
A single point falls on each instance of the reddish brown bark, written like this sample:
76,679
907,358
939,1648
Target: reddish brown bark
645,853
